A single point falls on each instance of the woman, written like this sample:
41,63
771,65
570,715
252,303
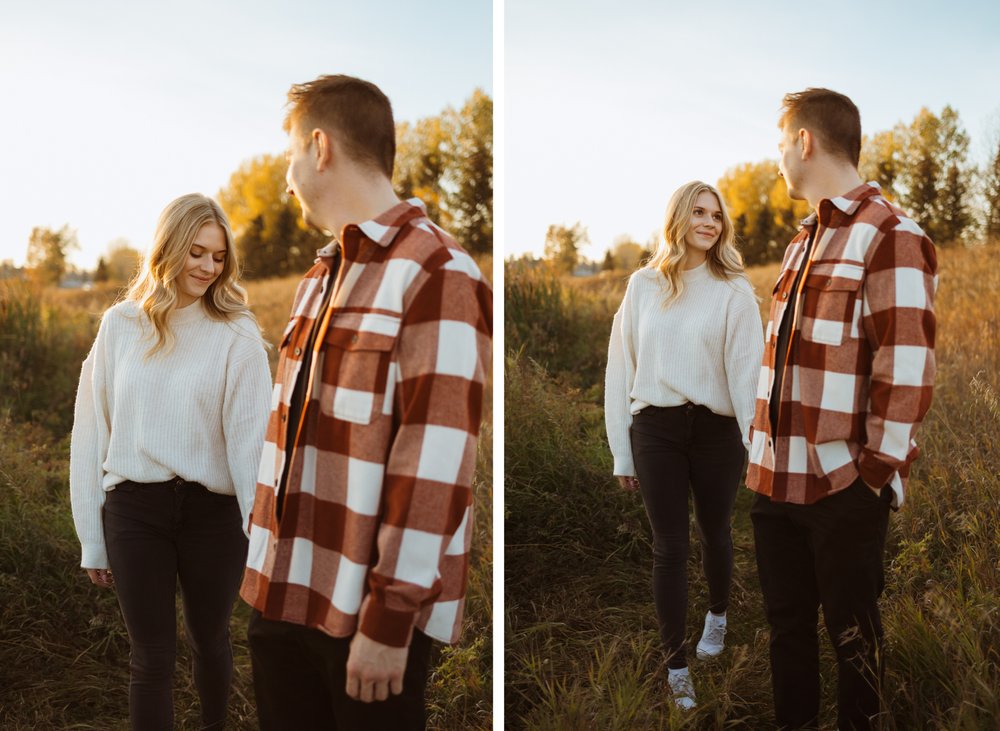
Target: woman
169,424
685,350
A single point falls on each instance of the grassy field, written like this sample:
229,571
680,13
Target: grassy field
63,647
581,645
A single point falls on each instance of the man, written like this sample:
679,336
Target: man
361,526
847,377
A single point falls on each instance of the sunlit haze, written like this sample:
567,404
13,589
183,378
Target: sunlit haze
112,109
612,106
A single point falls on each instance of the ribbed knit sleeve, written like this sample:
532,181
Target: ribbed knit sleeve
744,352
245,412
88,448
618,380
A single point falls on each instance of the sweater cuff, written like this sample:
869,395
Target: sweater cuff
391,627
873,470
94,556
624,467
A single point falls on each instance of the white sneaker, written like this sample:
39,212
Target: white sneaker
682,688
713,639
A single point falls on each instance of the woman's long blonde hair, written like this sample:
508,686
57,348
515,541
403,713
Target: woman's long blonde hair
723,259
154,287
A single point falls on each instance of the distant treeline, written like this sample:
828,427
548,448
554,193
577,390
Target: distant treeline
445,160
923,166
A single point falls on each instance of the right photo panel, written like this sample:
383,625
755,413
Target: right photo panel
752,366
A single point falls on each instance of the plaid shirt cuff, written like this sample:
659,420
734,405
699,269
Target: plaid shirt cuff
391,627
874,471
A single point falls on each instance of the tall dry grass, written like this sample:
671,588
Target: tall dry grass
63,648
582,649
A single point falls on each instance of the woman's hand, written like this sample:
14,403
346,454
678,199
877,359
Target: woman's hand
631,484
101,577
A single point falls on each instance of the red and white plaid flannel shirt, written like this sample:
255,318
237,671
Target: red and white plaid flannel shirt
377,514
860,369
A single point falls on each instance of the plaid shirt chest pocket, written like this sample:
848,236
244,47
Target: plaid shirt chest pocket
357,377
832,302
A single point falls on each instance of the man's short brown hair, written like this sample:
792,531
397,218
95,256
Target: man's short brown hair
830,116
356,111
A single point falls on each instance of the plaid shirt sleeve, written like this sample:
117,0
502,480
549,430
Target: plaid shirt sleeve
899,323
425,531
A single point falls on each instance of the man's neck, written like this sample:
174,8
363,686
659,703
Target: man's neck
836,181
364,200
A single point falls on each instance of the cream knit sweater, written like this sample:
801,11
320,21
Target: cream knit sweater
197,411
705,348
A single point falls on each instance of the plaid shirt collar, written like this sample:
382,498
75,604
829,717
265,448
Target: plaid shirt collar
848,203
383,229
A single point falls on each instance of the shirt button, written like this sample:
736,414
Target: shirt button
354,339
298,351
284,418
784,295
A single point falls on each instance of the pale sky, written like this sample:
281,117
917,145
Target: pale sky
112,109
612,106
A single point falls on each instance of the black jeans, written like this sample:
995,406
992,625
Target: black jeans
830,554
156,534
674,448
300,681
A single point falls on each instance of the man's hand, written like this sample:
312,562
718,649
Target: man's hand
628,483
101,577
374,670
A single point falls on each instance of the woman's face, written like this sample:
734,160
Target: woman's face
205,261
704,226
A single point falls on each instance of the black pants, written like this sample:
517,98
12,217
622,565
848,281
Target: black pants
674,448
300,680
830,554
156,534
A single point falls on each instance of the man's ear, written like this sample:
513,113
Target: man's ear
322,149
808,142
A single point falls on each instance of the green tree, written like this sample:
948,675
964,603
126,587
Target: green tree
764,217
469,197
101,273
47,250
422,151
935,180
271,237
991,194
626,253
562,246
123,261
446,160
882,159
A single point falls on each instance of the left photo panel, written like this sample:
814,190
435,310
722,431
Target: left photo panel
246,383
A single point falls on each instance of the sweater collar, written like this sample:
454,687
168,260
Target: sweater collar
192,313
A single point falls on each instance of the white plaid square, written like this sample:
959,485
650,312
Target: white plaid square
838,392
418,557
351,405
908,364
895,439
349,588
456,354
441,453
457,545
798,462
364,486
257,550
910,288
308,484
833,455
300,567
396,278
442,619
